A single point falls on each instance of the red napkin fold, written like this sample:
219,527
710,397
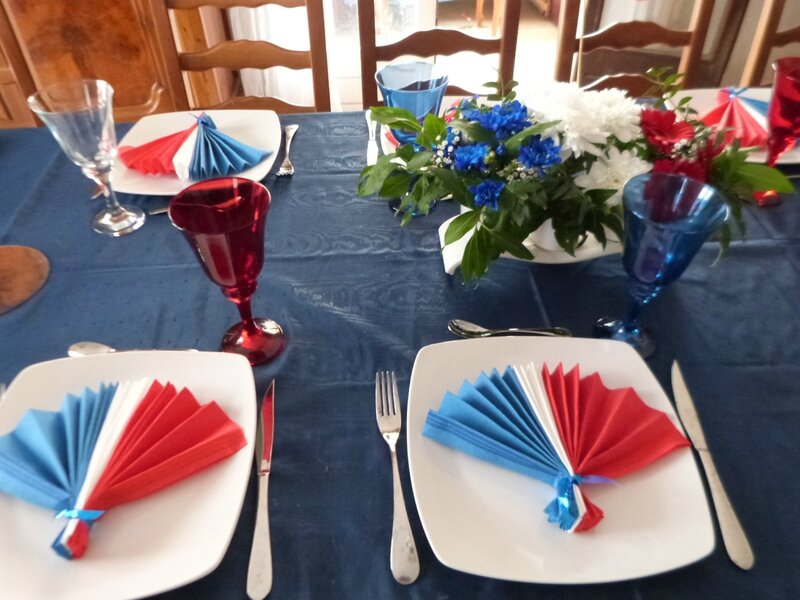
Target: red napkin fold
155,157
606,432
169,437
735,122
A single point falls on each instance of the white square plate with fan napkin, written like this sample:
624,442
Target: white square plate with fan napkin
158,543
488,521
258,128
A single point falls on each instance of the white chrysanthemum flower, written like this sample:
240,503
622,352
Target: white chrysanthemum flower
587,119
612,171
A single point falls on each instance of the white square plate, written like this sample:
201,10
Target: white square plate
258,128
158,543
485,520
704,99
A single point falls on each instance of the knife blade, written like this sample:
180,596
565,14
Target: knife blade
259,572
372,145
733,536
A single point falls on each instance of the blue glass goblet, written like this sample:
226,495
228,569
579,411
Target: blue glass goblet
667,219
417,87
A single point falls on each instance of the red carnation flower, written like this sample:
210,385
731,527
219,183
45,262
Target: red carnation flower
662,130
690,168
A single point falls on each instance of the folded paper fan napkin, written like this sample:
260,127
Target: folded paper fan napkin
733,116
109,447
559,428
200,152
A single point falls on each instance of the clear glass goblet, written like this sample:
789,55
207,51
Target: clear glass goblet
224,221
79,115
667,219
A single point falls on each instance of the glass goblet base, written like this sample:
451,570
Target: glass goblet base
259,346
617,329
118,221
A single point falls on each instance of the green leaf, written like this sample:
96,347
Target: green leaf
513,247
396,118
432,129
395,185
460,226
472,130
406,152
475,261
372,178
762,178
453,183
420,159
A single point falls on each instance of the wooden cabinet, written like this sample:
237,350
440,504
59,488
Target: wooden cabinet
126,42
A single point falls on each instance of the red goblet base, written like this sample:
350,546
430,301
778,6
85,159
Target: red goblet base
258,346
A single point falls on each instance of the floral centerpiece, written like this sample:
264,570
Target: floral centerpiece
562,158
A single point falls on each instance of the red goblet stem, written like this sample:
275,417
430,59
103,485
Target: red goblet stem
247,316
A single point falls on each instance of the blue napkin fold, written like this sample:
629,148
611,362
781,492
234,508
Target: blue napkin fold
493,420
44,459
217,154
761,106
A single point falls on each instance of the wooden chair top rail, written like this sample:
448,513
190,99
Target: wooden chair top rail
244,54
436,42
634,34
263,103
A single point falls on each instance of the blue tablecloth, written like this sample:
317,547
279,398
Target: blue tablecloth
357,293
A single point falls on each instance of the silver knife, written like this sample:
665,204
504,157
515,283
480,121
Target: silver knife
733,535
372,145
259,573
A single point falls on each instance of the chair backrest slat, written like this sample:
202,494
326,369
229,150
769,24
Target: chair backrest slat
433,42
767,37
250,54
632,34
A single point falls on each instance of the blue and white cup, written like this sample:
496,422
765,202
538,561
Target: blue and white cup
418,87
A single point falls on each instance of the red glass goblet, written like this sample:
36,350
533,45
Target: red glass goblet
784,108
223,220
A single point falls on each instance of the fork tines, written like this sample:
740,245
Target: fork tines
386,394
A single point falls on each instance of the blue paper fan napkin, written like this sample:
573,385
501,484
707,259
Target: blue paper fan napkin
217,154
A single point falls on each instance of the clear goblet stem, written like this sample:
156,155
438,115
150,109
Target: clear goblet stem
114,219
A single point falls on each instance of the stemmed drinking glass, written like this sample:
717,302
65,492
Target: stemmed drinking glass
224,220
79,115
667,219
784,108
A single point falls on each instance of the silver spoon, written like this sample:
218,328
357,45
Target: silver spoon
471,330
89,348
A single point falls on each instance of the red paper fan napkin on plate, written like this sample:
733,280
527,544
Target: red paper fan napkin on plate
734,120
155,157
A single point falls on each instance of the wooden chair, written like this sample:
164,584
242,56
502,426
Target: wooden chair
766,38
632,34
241,54
433,42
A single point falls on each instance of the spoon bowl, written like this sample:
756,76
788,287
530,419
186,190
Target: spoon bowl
466,329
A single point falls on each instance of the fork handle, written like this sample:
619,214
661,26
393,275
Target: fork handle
290,131
403,560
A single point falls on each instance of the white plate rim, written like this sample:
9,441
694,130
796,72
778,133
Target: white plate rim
454,361
265,134
200,371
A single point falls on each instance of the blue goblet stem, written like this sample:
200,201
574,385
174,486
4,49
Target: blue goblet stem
641,295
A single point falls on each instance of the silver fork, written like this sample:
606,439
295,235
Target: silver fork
403,560
287,168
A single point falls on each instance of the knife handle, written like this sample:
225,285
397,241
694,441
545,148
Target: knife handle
259,573
733,535
403,559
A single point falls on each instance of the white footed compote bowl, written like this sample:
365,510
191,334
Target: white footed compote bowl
79,114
